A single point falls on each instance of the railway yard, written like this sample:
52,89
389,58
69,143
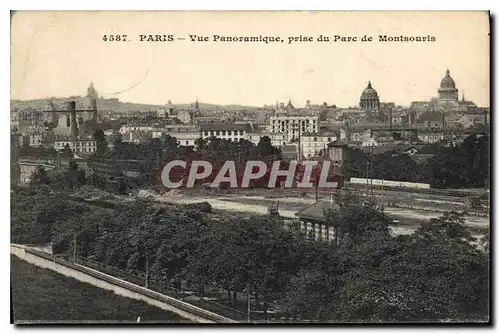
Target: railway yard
407,208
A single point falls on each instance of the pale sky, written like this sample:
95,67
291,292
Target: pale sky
60,53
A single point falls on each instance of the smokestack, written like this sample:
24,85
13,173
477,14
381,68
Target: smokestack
74,130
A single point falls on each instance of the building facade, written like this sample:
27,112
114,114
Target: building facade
229,131
312,144
277,139
294,126
85,146
186,135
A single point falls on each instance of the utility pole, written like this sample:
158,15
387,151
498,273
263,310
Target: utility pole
147,274
300,143
383,196
367,184
74,248
371,172
248,302
317,196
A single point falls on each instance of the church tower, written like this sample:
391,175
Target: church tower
290,107
195,112
91,92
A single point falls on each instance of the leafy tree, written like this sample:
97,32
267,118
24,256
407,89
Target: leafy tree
467,165
437,273
266,148
67,152
102,144
39,177
353,219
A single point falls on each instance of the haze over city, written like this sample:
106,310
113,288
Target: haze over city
58,54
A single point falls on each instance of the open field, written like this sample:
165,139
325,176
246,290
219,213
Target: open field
40,295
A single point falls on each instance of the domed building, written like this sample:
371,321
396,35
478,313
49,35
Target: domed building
369,98
447,92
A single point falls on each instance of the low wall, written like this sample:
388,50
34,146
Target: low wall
118,286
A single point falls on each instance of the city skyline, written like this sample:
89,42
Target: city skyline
67,60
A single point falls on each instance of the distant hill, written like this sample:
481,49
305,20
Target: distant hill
111,104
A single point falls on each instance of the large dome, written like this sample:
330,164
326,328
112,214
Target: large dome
369,98
447,81
369,92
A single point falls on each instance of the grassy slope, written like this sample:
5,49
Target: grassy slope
40,294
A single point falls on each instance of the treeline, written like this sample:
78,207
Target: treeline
463,166
365,275
153,155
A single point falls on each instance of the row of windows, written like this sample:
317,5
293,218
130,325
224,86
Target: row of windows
293,121
304,128
316,143
78,144
178,130
224,133
84,150
329,139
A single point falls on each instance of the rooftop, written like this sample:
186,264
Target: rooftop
318,211
225,126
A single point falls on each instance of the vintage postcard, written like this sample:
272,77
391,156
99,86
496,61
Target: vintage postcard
250,167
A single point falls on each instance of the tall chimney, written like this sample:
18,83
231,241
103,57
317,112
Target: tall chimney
74,130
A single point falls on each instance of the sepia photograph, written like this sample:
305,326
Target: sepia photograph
250,167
